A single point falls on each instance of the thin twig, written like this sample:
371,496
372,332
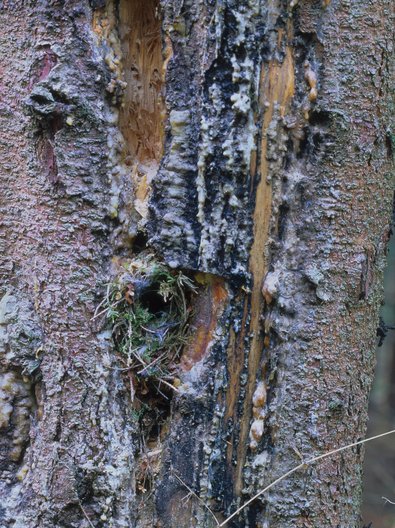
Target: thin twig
161,380
151,364
148,330
187,497
198,498
139,359
300,466
96,314
388,501
85,514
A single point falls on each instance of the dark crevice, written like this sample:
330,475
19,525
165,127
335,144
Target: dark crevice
320,118
289,157
83,484
282,219
303,144
140,242
389,144
46,146
151,299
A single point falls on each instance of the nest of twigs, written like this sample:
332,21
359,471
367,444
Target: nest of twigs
147,305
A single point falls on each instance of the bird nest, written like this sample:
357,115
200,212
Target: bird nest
148,307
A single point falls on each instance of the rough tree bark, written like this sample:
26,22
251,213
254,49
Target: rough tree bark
245,143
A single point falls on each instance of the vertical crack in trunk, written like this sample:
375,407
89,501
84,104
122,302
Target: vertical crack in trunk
139,60
277,90
142,112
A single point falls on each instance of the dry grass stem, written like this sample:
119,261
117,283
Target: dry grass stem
300,466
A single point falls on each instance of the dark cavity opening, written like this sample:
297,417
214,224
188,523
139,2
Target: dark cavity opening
151,299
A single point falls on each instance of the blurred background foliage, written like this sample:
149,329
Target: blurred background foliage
379,479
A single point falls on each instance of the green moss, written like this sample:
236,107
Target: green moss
147,306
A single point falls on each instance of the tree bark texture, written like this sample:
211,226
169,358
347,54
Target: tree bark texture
245,143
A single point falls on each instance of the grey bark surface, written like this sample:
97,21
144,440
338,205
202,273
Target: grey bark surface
247,144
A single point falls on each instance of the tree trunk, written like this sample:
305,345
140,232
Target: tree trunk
241,148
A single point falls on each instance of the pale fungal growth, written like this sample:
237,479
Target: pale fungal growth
105,28
259,413
242,71
242,21
179,120
177,229
256,433
311,79
242,74
22,472
104,25
203,229
314,275
260,460
15,408
228,152
241,100
6,394
259,398
116,170
270,286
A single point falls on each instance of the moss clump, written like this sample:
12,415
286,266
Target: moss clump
147,305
